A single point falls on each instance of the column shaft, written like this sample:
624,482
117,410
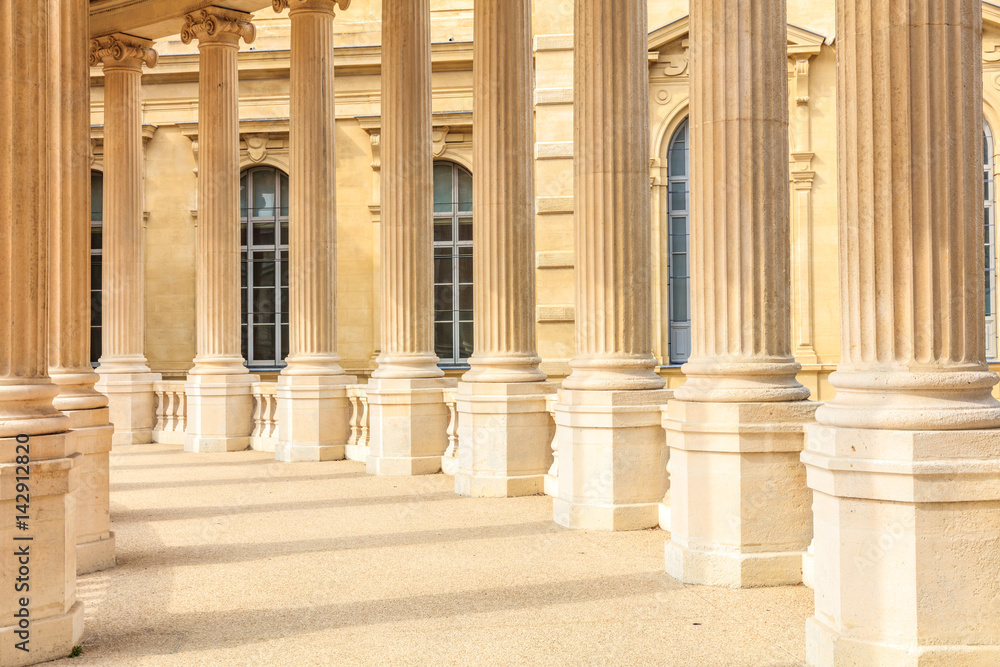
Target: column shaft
69,283
409,417
503,426
407,195
218,387
740,252
613,292
612,459
903,462
32,432
313,408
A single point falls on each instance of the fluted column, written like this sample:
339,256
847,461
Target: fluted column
407,193
407,439
740,253
903,463
69,286
125,376
37,452
313,408
503,425
614,368
218,389
735,428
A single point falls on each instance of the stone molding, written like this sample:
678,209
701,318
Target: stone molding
314,5
120,50
218,25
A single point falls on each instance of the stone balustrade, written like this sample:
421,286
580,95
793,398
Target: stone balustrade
171,412
358,446
264,436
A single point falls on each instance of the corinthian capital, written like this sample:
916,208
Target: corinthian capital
217,24
327,5
122,51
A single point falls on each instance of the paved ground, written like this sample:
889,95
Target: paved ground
233,559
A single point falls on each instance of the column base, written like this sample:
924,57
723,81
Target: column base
906,546
219,413
95,555
409,425
504,439
50,639
745,457
612,459
824,646
809,568
313,417
132,405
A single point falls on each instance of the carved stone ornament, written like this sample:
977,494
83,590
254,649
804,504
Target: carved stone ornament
217,22
256,146
122,50
281,5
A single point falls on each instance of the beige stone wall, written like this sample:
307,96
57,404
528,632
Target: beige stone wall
170,104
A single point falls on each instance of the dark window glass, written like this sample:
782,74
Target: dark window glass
452,263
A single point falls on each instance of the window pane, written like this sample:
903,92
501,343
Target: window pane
243,234
465,269
284,342
263,193
243,196
263,274
442,188
465,297
444,335
263,302
263,343
444,300
464,190
465,229
263,233
284,195
442,270
443,231
96,196
679,265
465,340
679,300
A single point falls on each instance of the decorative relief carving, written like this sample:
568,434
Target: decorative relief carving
376,139
256,146
991,51
663,96
440,140
677,63
122,50
217,22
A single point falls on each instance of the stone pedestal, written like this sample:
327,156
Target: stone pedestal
907,562
409,424
219,412
504,438
131,404
745,458
90,438
612,459
314,417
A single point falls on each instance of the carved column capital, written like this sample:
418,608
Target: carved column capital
218,25
122,51
314,5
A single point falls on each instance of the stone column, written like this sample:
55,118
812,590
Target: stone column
69,287
33,434
409,419
612,458
735,428
125,376
903,463
218,386
503,428
313,408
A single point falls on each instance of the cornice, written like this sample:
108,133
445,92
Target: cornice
321,5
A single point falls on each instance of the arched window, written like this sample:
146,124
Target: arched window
452,263
989,242
96,248
264,267
678,218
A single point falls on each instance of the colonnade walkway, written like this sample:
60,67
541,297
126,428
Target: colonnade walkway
235,559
